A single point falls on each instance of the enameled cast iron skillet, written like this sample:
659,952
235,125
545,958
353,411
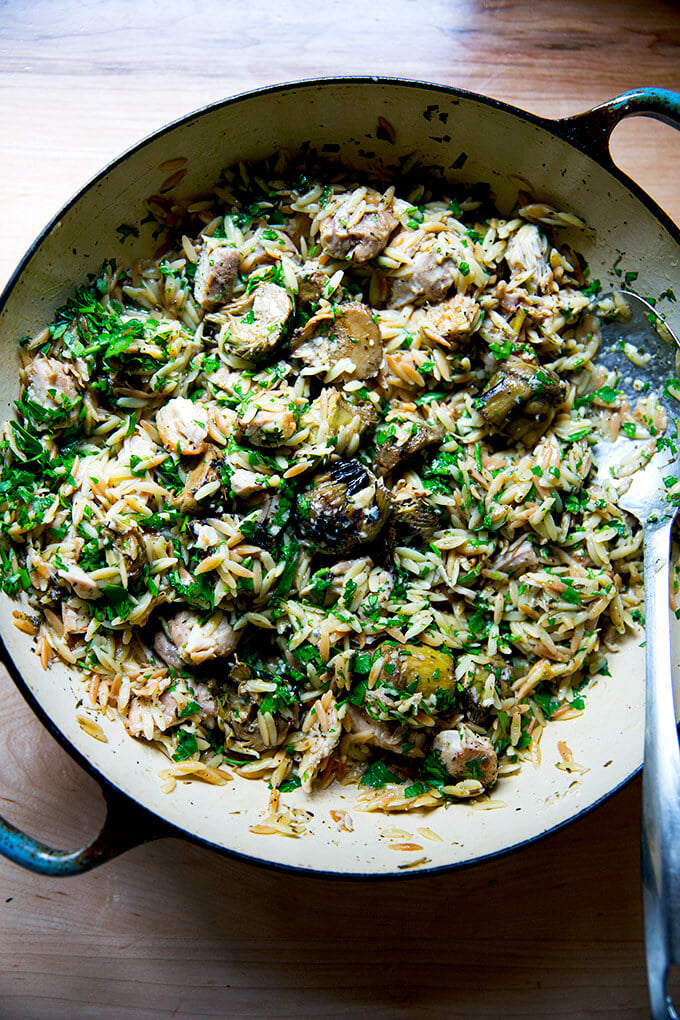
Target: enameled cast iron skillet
563,162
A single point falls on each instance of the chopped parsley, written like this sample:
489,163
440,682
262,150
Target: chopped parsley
377,775
187,744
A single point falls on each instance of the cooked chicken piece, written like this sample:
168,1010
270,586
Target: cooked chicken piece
50,385
400,438
170,706
225,378
527,259
205,699
246,483
142,448
197,639
75,619
134,720
345,333
255,335
70,549
81,583
343,506
518,556
206,538
465,755
207,704
216,274
360,227
426,670
183,426
453,321
68,569
428,277
509,300
521,400
322,730
376,734
202,484
296,227
169,710
269,419
200,694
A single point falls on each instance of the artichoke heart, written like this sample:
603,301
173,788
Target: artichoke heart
401,438
413,511
255,335
346,333
521,400
343,507
428,668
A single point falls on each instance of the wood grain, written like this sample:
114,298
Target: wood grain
172,930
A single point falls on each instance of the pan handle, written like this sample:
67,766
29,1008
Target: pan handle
126,825
591,131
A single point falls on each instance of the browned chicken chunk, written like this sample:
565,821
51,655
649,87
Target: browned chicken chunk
465,755
359,229
183,426
428,277
245,483
518,556
269,419
374,733
453,321
216,274
50,385
527,259
196,639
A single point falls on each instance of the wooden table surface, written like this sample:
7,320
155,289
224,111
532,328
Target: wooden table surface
172,930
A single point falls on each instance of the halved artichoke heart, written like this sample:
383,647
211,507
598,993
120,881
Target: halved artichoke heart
255,335
521,400
343,506
428,668
346,333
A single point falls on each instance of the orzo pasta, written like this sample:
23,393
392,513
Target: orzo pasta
309,492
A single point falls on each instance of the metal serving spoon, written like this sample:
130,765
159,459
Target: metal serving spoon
646,499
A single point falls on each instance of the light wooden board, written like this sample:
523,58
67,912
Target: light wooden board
171,930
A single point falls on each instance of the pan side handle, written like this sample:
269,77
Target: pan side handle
591,131
126,826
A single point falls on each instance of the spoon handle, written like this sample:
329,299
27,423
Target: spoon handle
660,781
